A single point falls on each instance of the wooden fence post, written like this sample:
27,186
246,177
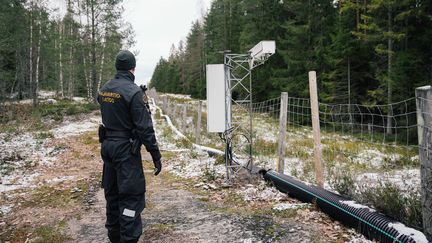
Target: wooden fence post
184,118
424,126
168,108
165,104
155,95
316,128
174,111
282,131
198,125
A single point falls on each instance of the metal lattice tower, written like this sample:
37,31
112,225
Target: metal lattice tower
238,107
238,135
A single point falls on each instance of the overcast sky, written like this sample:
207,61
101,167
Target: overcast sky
158,24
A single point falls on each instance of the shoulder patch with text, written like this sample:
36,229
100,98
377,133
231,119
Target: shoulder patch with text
109,97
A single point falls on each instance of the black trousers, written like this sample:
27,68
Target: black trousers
124,186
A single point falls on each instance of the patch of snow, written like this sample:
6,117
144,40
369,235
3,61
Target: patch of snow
5,209
370,156
45,94
68,129
416,235
179,96
354,204
185,166
359,239
81,100
288,206
17,181
60,179
261,193
374,157
51,101
182,136
293,164
408,180
19,153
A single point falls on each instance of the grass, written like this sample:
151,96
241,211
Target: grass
155,230
49,196
90,138
38,234
390,200
263,147
44,135
18,117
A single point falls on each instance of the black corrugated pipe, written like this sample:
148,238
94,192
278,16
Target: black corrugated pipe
371,224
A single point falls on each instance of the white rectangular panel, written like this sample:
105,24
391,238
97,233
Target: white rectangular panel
216,98
263,48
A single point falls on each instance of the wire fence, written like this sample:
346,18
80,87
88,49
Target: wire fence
370,152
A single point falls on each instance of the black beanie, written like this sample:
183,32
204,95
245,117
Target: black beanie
125,60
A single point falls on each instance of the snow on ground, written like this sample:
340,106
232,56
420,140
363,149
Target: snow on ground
187,163
408,180
374,158
416,235
264,129
289,206
354,204
179,96
20,153
45,94
5,209
262,192
357,238
73,128
185,166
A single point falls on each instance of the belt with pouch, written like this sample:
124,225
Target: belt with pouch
118,134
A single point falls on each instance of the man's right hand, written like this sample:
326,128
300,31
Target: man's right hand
156,156
158,167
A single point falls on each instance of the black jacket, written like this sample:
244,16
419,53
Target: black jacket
123,109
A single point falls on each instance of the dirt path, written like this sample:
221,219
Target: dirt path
179,215
175,214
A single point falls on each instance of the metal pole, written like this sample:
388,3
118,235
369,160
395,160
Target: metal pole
424,121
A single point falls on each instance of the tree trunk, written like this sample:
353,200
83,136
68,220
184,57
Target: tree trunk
16,76
70,84
61,62
349,82
35,99
84,53
88,82
93,49
389,70
31,54
357,15
101,67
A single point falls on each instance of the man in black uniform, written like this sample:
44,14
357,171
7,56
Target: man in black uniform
126,125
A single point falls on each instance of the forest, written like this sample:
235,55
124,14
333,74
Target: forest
43,48
364,51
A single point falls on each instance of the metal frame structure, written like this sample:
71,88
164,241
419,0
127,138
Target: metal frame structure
238,104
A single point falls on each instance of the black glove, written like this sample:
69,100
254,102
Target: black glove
158,167
156,156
